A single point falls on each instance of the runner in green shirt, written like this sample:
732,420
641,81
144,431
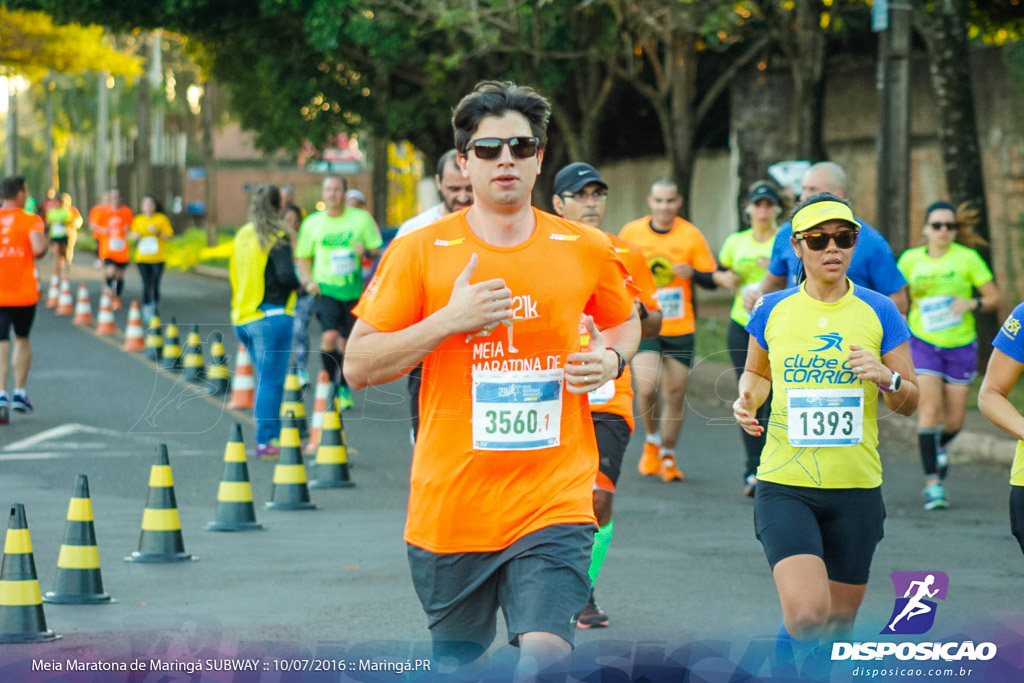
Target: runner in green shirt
331,247
943,275
743,263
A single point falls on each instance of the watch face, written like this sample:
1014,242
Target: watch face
896,381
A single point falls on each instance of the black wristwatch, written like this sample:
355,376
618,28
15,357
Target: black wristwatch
643,314
622,362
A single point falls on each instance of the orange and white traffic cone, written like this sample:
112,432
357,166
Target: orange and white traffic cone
65,302
323,393
134,336
83,308
53,293
106,324
243,385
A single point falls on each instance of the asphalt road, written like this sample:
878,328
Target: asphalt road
684,566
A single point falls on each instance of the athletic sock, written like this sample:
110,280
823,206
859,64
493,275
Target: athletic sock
20,391
602,539
667,453
340,357
947,437
927,441
653,438
331,365
109,281
118,288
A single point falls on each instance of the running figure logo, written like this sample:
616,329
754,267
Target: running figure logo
832,340
914,613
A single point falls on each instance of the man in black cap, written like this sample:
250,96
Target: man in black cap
581,195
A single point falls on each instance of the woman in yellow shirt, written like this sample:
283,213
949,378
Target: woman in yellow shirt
151,229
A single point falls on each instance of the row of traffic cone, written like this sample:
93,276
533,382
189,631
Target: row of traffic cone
79,580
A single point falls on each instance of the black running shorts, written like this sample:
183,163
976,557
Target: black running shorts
335,315
841,526
540,582
18,317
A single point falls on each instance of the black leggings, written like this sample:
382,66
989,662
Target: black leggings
151,274
737,340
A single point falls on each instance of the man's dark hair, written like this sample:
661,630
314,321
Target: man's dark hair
11,187
447,159
814,199
494,98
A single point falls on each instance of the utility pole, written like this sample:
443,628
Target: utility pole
892,21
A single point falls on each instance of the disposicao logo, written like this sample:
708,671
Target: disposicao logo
913,614
916,592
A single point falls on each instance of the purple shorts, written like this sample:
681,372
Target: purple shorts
957,365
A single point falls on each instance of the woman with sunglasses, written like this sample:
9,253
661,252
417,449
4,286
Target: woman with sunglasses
949,283
825,351
743,263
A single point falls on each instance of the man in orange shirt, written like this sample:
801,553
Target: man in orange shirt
491,299
112,234
677,255
581,195
22,241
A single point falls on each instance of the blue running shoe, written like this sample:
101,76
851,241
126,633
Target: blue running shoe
935,497
21,404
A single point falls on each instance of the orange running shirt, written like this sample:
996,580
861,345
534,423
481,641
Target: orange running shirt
616,396
114,245
18,284
684,243
495,459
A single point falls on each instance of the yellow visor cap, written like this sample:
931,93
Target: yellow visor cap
822,212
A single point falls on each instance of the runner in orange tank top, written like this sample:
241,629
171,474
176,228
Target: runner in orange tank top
581,195
22,241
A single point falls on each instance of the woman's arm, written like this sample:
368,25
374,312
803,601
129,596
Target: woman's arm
993,402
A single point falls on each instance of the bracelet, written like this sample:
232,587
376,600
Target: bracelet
979,302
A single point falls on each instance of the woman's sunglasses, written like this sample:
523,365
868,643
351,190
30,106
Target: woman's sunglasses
818,241
943,226
490,148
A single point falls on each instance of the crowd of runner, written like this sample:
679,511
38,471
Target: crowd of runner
547,335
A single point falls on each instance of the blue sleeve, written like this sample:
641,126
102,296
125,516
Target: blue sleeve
779,266
894,327
758,323
884,275
1009,339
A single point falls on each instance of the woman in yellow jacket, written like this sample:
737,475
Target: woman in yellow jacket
263,284
151,229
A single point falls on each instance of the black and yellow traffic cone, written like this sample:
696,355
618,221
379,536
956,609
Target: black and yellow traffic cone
331,466
292,403
161,539
192,362
78,580
21,603
154,340
235,511
170,359
217,374
290,490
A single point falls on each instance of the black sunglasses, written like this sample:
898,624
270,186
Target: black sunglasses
490,148
943,226
818,241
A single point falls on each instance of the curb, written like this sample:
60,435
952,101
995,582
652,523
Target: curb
211,272
717,379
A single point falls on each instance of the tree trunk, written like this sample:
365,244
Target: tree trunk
143,150
807,67
50,179
11,165
206,113
380,147
102,148
682,95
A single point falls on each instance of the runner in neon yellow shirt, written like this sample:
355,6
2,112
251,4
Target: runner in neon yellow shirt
824,350
943,276
745,256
